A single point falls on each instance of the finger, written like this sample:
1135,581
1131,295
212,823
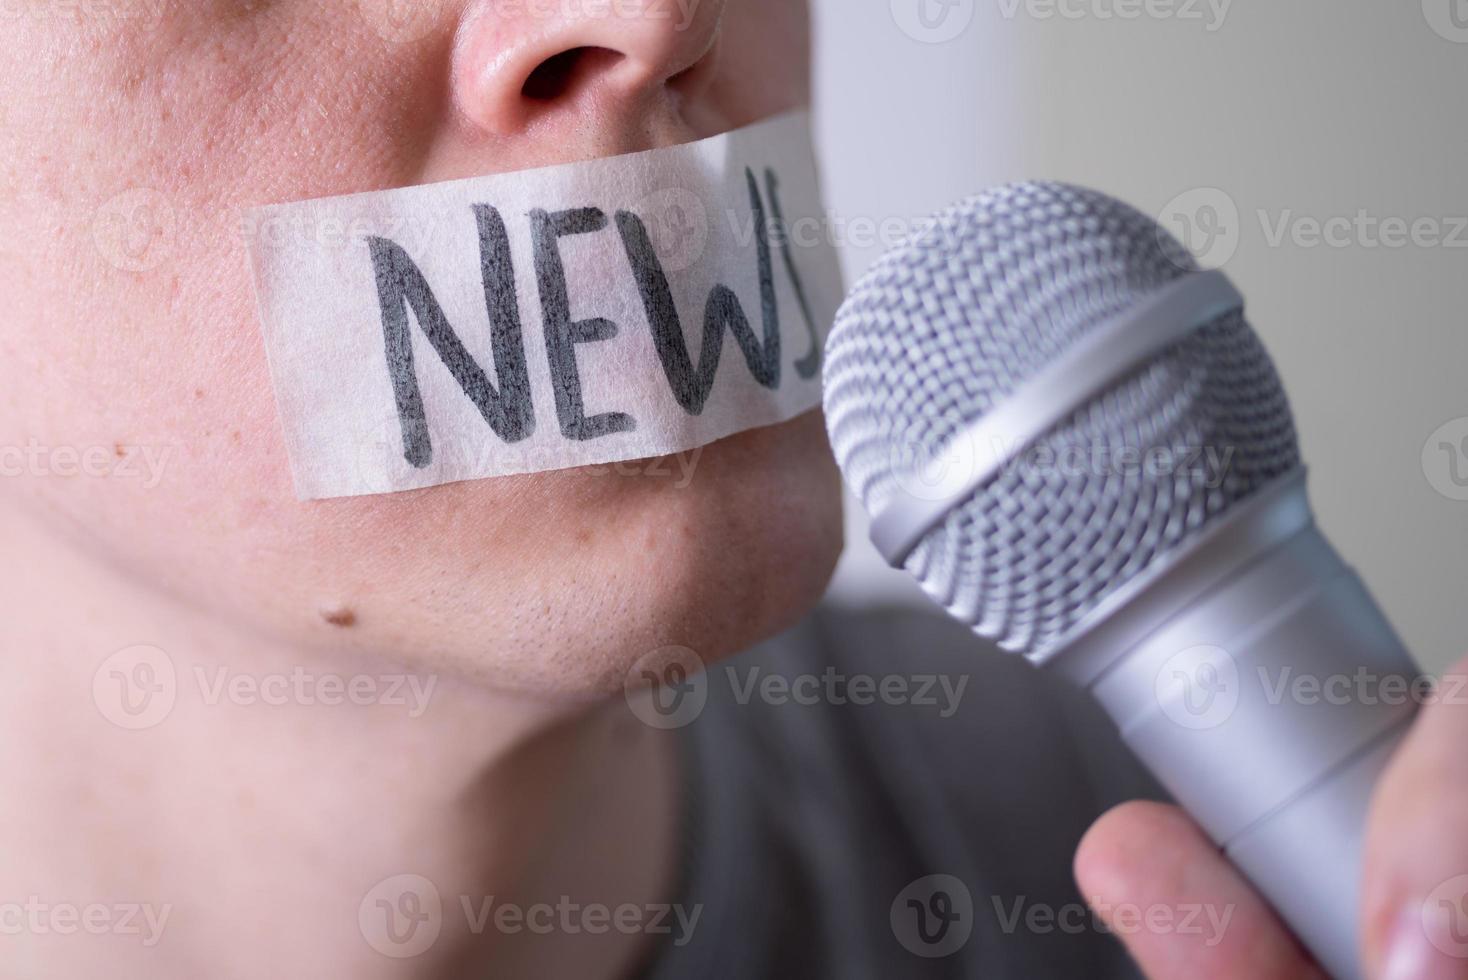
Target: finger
1415,875
1181,909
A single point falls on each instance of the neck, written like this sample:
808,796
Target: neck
185,799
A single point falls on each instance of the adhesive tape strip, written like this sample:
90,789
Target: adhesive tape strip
616,309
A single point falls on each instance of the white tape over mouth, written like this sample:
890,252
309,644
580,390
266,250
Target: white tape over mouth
616,309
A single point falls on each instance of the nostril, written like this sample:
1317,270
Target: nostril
558,75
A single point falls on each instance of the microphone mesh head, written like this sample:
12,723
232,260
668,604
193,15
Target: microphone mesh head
989,293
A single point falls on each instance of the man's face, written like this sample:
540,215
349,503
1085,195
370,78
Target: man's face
134,392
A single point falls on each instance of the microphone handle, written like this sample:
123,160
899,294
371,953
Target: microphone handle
1265,690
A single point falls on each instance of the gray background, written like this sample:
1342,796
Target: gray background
1303,110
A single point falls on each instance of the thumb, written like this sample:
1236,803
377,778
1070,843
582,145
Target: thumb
1142,859
1415,876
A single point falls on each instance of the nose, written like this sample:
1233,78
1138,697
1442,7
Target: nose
612,65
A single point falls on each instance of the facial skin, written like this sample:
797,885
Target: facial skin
266,829
551,584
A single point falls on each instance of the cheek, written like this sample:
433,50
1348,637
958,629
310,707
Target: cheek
133,321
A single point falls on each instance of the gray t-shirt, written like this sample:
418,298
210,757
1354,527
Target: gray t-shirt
834,771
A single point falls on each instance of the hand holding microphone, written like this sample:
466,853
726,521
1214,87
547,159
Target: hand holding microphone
1080,448
1413,915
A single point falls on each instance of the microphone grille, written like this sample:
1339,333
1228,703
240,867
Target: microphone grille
991,291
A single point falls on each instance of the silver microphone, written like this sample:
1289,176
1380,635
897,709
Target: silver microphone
1077,444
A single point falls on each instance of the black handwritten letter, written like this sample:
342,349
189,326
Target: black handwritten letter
562,334
691,385
808,365
400,284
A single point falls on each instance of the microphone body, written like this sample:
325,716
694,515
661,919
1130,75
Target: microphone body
1258,681
1242,660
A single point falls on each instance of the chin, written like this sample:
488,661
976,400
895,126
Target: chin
759,542
741,553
